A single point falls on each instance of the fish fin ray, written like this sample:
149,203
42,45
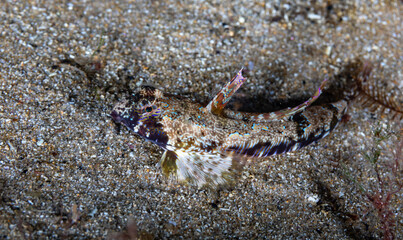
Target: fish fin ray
218,103
201,168
291,111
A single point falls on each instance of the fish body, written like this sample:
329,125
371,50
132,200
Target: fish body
207,145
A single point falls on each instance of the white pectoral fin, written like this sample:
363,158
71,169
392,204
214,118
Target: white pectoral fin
199,167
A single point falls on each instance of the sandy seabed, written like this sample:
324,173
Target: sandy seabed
67,171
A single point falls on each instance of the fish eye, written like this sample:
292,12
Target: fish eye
149,109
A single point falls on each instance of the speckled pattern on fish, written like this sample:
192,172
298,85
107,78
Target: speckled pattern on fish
208,145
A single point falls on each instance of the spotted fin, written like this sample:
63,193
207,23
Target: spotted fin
309,126
273,116
291,111
218,103
201,168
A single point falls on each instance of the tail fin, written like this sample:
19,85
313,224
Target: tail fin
372,95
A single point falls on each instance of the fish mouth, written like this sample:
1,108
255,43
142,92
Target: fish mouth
119,109
116,117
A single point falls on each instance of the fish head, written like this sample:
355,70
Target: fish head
142,113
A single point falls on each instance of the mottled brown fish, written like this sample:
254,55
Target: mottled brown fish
208,145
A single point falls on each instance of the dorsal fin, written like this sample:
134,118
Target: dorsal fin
274,116
218,103
291,111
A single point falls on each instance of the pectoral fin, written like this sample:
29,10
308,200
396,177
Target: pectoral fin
201,168
168,163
